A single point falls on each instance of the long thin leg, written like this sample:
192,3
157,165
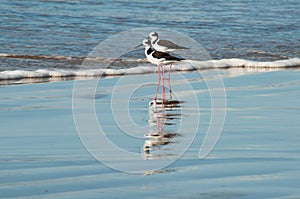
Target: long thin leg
158,82
163,85
169,81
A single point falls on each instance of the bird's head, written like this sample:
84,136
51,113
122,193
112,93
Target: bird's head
146,42
153,35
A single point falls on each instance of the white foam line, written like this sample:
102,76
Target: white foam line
182,66
234,62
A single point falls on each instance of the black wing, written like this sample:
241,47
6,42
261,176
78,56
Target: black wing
167,56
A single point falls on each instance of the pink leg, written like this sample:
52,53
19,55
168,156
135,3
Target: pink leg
163,84
158,82
169,81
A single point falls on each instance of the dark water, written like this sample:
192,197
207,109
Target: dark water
258,30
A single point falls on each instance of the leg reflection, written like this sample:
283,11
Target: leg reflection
164,120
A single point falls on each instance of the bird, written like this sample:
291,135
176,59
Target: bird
157,57
163,45
160,59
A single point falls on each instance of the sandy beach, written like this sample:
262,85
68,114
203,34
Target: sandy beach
256,156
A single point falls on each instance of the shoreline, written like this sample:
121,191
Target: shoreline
235,70
46,75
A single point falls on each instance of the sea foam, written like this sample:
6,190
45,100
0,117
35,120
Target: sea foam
186,65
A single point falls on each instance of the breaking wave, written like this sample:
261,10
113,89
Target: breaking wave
131,66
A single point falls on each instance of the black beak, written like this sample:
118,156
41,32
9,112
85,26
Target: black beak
138,46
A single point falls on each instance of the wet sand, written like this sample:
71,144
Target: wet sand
256,156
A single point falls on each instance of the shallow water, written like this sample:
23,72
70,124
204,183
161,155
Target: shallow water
256,156
256,30
44,156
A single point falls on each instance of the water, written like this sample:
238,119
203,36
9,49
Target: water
253,30
257,155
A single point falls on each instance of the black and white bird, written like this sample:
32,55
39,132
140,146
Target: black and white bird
163,45
157,57
160,59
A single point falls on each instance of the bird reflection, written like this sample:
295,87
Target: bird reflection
164,120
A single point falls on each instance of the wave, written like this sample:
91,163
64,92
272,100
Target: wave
42,57
66,58
142,67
